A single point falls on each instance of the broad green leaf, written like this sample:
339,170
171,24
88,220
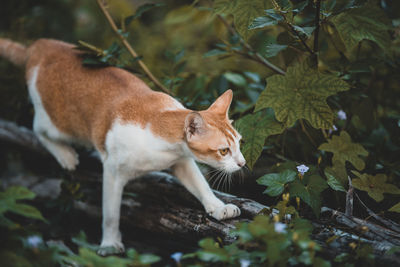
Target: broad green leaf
244,12
344,149
255,128
275,182
301,94
395,208
366,22
374,185
309,191
273,49
333,182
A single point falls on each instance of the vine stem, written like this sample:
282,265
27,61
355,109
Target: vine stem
306,132
316,32
102,5
294,31
256,56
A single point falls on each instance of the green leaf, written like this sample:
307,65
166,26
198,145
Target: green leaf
367,22
26,210
211,251
333,182
262,22
273,49
309,191
375,185
255,128
17,192
147,259
395,208
88,257
8,202
301,94
215,52
276,182
304,30
344,149
139,12
235,78
244,12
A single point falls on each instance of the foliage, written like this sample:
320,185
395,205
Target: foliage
291,71
8,203
344,150
277,245
255,128
375,185
301,93
368,22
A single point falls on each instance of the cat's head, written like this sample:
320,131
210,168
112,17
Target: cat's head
211,137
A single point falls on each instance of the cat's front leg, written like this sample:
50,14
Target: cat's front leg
113,185
190,176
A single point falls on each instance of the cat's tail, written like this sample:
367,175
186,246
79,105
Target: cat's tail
13,51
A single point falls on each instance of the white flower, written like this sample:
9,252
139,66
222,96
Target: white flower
302,169
34,241
342,115
333,129
177,256
244,263
280,227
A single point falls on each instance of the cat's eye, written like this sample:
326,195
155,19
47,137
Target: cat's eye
224,151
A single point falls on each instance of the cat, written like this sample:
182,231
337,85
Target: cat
134,129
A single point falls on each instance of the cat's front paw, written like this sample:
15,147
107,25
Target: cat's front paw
111,249
225,212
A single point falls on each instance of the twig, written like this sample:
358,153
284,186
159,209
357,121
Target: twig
125,42
316,32
294,31
256,56
392,225
349,199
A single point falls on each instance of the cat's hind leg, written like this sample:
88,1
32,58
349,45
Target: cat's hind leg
53,140
64,154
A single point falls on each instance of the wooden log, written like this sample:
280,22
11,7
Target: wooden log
158,203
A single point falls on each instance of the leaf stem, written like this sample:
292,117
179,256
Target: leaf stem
306,132
255,55
102,5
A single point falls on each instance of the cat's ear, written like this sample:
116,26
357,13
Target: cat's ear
194,125
222,104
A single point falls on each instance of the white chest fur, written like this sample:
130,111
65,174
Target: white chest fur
137,150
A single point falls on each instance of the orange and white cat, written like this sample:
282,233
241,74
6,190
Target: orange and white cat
134,129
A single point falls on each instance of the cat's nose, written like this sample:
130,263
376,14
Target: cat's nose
241,163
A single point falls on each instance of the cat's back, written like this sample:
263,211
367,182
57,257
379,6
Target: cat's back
81,101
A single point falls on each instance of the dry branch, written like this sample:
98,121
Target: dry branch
103,6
